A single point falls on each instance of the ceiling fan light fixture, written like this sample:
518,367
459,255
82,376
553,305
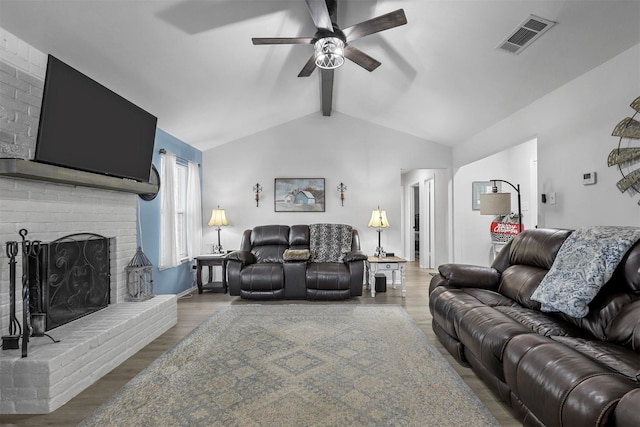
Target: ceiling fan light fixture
329,52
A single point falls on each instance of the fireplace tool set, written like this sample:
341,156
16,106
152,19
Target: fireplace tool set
32,324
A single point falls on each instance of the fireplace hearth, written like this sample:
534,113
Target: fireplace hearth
69,278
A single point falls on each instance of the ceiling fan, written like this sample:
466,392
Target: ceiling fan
332,44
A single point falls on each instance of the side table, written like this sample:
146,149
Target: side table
211,261
393,263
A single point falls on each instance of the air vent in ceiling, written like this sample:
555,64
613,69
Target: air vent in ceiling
525,34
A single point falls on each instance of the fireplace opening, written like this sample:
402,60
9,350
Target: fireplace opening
69,278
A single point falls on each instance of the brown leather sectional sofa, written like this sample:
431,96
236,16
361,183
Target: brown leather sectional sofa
550,368
282,262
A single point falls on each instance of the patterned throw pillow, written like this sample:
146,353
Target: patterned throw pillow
584,264
329,242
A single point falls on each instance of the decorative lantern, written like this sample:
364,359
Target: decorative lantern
139,277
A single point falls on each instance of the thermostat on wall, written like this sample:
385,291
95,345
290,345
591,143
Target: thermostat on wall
589,178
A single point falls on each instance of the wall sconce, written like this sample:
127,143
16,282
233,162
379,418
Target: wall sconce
257,189
342,188
495,203
218,218
379,220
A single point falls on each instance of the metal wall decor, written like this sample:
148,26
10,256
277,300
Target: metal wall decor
627,155
342,188
257,189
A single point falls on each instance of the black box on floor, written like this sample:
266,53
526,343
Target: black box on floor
381,282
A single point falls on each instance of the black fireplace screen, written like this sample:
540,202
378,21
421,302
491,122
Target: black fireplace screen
70,278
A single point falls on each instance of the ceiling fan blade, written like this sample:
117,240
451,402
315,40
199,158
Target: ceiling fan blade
320,14
375,25
361,58
308,67
281,40
327,91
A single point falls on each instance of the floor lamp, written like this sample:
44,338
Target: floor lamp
495,203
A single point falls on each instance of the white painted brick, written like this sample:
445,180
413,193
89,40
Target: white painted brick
90,347
11,43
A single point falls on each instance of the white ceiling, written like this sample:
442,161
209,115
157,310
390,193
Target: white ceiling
192,63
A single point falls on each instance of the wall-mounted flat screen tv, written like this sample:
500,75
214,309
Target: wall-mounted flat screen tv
85,126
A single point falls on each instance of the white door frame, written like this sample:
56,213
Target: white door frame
426,196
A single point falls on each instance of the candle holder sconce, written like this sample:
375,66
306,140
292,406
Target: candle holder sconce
342,188
257,189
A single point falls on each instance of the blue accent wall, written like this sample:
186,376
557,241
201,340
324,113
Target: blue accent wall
178,279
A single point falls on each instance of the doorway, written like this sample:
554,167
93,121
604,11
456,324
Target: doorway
419,216
416,221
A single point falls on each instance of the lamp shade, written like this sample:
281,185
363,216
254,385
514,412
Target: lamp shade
218,218
495,203
379,219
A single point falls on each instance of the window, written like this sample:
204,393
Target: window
180,211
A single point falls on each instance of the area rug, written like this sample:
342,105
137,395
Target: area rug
298,365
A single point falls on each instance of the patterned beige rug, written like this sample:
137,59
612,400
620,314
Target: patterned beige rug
298,365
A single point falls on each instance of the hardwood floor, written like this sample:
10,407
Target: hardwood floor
194,308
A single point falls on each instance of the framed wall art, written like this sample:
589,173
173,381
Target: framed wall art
477,188
299,195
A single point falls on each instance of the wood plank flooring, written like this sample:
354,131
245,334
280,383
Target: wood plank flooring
194,308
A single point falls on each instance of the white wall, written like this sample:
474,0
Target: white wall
472,241
367,158
573,126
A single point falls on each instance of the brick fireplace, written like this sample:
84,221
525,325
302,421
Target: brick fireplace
91,346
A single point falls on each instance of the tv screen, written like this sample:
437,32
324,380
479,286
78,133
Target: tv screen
85,126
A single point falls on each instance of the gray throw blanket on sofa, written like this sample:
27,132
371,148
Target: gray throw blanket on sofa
329,242
585,262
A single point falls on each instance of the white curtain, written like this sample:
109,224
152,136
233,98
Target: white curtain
193,211
168,226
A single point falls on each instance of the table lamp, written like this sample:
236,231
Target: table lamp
379,220
218,218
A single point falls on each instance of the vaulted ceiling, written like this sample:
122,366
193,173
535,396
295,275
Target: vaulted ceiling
192,63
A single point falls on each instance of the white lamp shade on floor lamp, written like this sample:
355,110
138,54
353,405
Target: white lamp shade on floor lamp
495,203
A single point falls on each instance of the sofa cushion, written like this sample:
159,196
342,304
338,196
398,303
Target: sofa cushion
328,276
560,385
329,242
262,277
537,247
268,243
485,332
585,262
299,237
625,327
542,323
632,268
518,283
615,357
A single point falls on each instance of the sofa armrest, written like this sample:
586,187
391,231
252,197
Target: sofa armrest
627,409
355,256
470,276
244,257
